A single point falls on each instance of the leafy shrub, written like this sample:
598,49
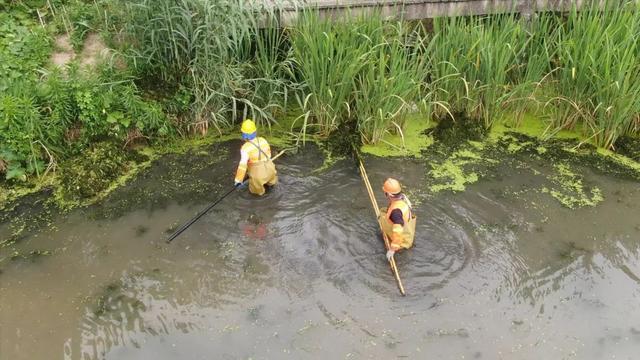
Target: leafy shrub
24,49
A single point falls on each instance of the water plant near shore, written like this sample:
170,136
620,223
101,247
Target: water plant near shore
224,60
368,70
214,48
474,63
598,71
374,70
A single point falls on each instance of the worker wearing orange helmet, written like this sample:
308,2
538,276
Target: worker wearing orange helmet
397,221
255,156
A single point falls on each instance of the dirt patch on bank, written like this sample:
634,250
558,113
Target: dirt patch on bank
93,50
63,53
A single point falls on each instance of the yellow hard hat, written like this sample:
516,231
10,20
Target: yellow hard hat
248,127
392,186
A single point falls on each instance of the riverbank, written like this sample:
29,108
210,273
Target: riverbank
93,74
457,154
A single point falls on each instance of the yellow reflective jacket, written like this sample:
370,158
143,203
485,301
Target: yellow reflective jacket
252,152
401,236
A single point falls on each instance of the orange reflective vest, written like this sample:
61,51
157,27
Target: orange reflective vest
401,236
252,152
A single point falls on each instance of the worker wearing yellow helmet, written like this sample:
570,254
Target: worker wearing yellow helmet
397,220
255,156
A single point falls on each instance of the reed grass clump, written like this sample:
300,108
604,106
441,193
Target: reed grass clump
327,57
597,75
477,63
369,71
574,70
216,49
391,82
580,69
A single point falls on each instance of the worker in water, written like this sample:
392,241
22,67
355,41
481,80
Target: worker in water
397,221
255,156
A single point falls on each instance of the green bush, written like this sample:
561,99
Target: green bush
24,48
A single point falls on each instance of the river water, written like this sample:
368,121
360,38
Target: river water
497,272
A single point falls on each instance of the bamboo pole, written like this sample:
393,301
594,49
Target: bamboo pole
278,155
376,209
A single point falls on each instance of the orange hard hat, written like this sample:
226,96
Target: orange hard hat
392,186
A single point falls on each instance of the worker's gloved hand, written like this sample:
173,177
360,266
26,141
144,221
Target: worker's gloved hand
237,183
390,254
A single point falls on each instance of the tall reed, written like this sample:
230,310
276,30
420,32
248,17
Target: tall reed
475,62
578,68
365,70
598,71
532,74
328,56
389,83
213,47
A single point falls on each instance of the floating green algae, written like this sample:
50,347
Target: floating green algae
629,146
459,155
455,177
85,176
464,166
9,195
534,127
541,149
455,163
570,190
411,142
283,133
91,178
621,160
329,160
70,185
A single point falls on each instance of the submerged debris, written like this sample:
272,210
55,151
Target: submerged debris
452,133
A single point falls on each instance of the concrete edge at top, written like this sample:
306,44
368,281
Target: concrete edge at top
288,10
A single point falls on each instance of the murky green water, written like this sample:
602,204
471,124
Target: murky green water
497,271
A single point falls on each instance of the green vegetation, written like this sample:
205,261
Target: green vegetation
557,167
179,68
86,176
415,138
369,71
216,51
47,114
569,189
598,72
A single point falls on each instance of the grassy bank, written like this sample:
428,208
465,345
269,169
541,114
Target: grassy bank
578,70
179,69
